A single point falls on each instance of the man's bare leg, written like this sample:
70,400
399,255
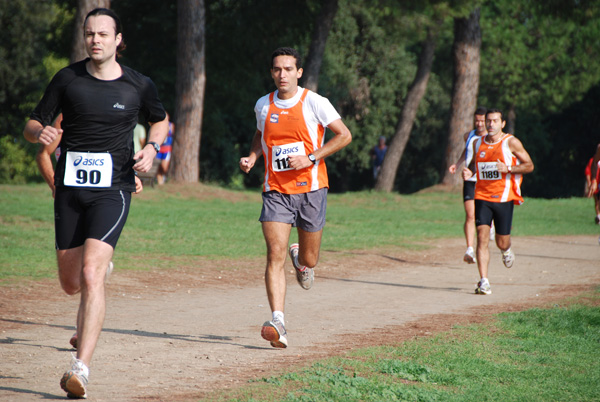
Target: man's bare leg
483,251
310,247
83,269
277,235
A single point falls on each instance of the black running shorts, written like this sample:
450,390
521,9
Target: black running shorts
469,190
81,214
499,212
306,210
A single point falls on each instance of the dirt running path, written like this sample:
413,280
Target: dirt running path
177,335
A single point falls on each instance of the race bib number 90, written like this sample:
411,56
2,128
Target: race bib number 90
281,153
488,171
88,169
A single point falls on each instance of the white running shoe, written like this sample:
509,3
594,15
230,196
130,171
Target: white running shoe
508,258
274,332
483,288
74,381
469,257
304,275
492,233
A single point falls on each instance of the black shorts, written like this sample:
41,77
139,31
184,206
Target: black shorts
499,212
81,214
469,190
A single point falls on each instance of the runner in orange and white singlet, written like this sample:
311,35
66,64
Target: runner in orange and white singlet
499,162
290,134
287,132
492,185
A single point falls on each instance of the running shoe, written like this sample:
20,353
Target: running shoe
483,289
469,257
304,275
508,258
74,381
274,332
492,233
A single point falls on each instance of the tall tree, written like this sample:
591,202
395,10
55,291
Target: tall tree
312,67
466,53
393,156
190,86
83,8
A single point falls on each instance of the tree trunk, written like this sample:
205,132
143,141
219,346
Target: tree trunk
510,117
83,8
466,51
393,156
312,67
190,85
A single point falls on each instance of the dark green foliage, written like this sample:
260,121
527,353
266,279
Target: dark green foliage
22,51
539,58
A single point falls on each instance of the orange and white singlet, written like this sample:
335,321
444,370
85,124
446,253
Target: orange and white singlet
293,126
492,185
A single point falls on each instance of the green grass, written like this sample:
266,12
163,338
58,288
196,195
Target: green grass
167,228
537,355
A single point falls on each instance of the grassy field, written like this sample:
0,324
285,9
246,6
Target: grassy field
186,223
538,355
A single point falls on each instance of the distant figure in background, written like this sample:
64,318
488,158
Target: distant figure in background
139,137
469,184
165,154
377,155
591,185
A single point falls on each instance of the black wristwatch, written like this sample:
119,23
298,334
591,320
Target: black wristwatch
312,158
155,145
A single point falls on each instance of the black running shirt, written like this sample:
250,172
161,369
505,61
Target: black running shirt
99,116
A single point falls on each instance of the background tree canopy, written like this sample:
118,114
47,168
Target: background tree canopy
538,63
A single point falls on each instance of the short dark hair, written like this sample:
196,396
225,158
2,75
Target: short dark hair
481,111
118,27
287,51
495,111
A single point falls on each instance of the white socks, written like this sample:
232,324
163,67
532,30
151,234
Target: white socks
279,315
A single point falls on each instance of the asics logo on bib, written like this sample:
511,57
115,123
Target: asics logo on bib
118,106
286,151
88,162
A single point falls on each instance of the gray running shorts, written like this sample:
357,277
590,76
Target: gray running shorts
306,211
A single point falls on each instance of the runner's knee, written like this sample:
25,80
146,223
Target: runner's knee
71,285
308,258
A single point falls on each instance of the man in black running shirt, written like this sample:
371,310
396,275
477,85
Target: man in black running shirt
100,101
